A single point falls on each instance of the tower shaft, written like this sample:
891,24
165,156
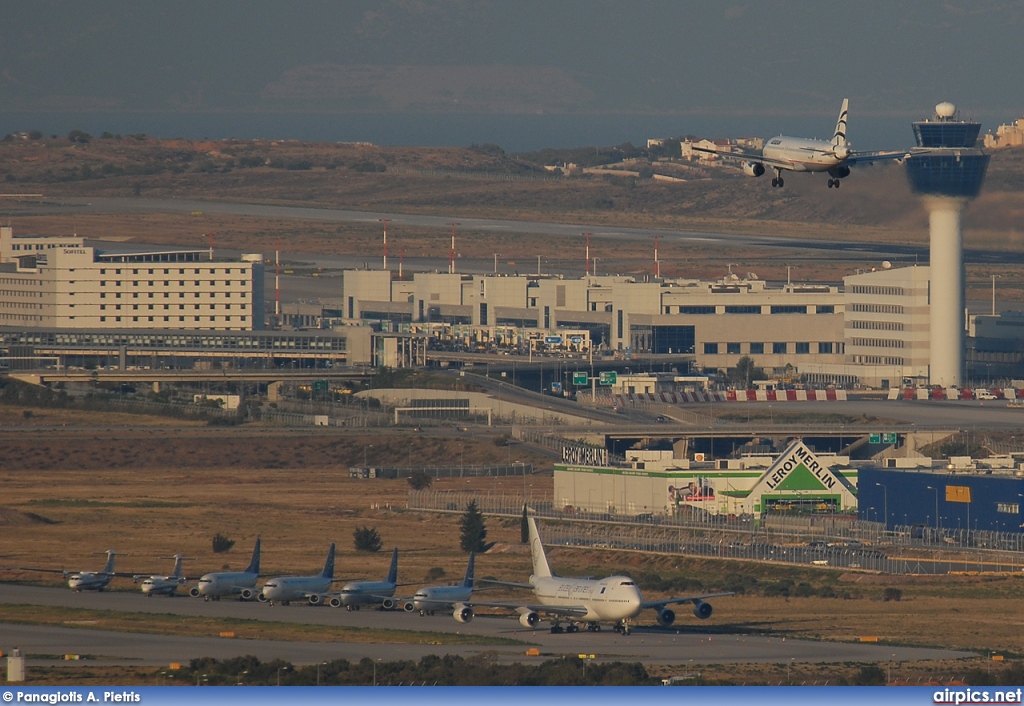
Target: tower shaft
946,292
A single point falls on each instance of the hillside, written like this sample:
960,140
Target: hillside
486,181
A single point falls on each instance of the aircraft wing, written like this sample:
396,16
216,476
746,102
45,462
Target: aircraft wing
568,611
66,572
683,599
510,584
869,157
745,156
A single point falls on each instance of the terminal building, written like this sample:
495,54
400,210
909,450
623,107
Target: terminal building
873,331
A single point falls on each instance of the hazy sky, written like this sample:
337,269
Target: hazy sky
236,67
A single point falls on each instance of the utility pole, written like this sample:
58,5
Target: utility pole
385,222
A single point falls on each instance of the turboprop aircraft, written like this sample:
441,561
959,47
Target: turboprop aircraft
163,585
285,589
584,602
430,598
230,583
86,580
800,154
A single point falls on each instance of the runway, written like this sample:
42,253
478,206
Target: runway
689,643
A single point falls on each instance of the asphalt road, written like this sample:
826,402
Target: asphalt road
715,642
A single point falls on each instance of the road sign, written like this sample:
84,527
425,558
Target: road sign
608,377
552,340
874,438
576,340
889,438
579,378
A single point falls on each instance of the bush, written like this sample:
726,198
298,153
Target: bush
420,480
892,594
222,544
367,539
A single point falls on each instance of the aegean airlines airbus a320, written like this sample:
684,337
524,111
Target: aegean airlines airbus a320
584,602
799,154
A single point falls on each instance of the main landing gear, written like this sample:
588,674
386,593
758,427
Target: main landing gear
622,626
833,183
777,180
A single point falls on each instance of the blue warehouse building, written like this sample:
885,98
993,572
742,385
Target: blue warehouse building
951,499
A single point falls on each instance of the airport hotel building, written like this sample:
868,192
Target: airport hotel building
51,282
874,330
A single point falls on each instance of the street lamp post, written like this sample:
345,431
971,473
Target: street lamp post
318,672
885,497
931,487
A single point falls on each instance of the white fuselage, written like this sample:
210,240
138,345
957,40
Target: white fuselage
365,592
89,581
226,583
804,155
441,597
609,599
294,588
161,585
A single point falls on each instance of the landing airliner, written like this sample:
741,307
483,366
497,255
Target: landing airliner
86,580
800,154
431,598
163,585
230,583
286,589
584,602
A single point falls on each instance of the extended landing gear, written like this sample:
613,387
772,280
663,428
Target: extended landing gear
777,180
593,627
833,183
623,627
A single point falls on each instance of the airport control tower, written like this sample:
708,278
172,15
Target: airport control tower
946,169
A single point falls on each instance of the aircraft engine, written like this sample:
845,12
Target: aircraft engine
666,617
194,592
408,607
463,613
248,594
840,172
702,610
261,598
315,599
388,604
753,169
335,602
529,619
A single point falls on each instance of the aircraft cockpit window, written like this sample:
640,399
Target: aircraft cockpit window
628,583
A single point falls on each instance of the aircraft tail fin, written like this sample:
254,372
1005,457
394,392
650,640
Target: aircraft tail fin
839,137
328,572
468,581
540,559
254,564
177,565
393,570
109,567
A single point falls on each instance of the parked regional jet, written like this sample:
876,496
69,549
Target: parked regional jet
359,593
86,580
163,585
588,602
800,154
430,598
228,583
286,589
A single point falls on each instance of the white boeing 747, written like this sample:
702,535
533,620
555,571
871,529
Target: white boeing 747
799,154
163,585
431,598
584,602
230,583
285,589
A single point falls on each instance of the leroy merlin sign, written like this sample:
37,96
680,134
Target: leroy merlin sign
796,465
